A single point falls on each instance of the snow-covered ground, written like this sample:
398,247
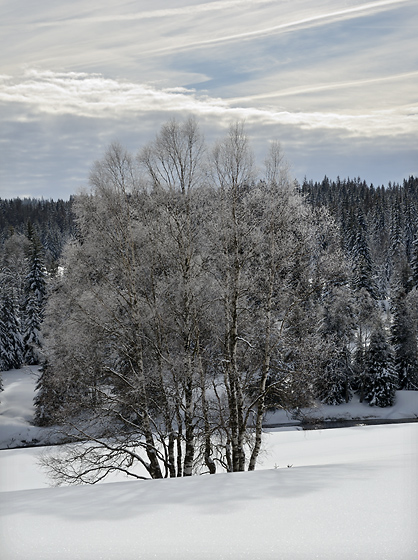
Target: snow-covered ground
349,493
16,410
406,406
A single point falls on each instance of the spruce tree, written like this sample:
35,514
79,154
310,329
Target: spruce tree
414,264
11,344
333,386
35,294
362,262
404,340
48,398
381,376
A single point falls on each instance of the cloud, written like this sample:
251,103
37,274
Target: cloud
196,9
314,88
94,96
308,21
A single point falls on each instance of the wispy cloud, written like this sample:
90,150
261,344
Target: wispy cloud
196,9
94,96
315,88
309,21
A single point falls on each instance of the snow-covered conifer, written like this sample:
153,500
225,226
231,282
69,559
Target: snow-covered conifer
404,340
35,294
11,344
381,380
362,262
414,264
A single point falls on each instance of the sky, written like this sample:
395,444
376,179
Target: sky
335,81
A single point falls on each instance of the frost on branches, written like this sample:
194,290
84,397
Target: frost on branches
194,296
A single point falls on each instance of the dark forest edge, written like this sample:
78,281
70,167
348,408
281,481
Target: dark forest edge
169,311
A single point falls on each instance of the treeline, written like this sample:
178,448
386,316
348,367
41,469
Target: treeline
193,295
387,218
23,281
379,229
51,221
33,234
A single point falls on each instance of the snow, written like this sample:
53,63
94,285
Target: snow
16,409
348,493
405,407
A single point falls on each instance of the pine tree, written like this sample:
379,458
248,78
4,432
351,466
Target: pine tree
381,376
32,330
35,294
36,278
414,264
363,266
48,399
334,385
11,344
404,338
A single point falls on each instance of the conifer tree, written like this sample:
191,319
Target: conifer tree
381,377
35,294
11,344
404,341
363,266
334,386
48,398
414,264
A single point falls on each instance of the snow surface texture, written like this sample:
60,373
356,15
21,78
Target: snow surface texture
347,493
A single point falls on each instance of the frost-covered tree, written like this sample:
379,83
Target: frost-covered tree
173,166
171,328
381,378
13,264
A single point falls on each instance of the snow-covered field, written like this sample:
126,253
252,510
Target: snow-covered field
349,493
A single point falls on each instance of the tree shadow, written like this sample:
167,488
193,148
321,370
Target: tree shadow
204,495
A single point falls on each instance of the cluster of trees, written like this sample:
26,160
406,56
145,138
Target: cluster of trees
194,295
22,299
384,221
32,236
379,228
51,221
